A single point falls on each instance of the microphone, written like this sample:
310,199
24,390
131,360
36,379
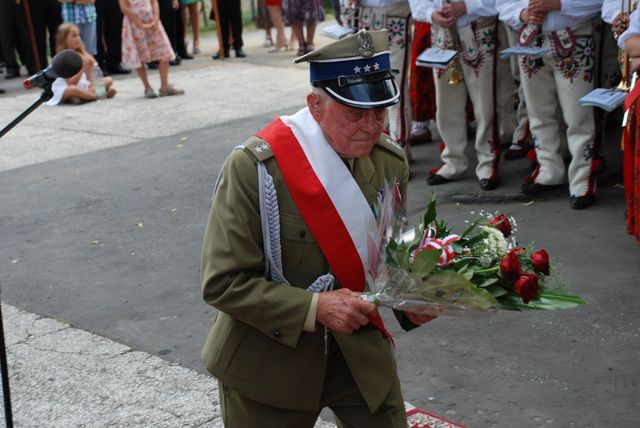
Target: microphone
65,64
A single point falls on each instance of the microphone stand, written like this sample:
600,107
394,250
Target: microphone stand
45,96
6,392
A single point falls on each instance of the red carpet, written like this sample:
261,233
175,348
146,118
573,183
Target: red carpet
419,418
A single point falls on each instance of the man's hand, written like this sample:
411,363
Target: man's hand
454,10
528,17
542,7
441,20
620,24
342,310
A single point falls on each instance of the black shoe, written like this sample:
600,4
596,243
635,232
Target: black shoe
217,55
435,179
581,202
176,61
535,189
11,74
118,69
2,91
489,183
240,53
186,56
152,65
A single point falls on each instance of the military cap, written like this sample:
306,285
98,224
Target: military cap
355,71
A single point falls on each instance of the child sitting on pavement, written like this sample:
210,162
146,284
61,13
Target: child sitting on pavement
80,88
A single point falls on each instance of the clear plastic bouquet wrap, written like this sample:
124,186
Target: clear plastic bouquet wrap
432,270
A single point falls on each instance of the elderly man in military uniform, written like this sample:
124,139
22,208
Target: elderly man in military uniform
286,254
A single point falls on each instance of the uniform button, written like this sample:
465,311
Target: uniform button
277,333
302,233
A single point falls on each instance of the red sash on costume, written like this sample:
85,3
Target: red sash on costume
318,210
632,97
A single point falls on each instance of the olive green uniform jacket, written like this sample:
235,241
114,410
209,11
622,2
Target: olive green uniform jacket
257,345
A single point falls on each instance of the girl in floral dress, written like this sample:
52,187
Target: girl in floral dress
144,40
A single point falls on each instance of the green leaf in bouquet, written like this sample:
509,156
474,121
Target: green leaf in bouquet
450,287
545,301
487,282
430,214
496,290
468,274
393,256
469,229
458,249
425,261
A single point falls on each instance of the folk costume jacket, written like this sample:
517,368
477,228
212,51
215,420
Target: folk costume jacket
257,345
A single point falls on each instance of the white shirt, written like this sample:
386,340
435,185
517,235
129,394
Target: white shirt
633,30
571,14
422,10
381,3
610,9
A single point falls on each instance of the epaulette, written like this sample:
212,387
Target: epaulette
389,144
258,148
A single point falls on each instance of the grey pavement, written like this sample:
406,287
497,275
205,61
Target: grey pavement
102,211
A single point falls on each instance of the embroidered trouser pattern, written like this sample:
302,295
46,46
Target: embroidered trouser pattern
451,100
561,81
397,20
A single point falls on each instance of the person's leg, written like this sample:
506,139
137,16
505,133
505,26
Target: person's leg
163,70
540,93
7,39
579,119
311,32
275,12
88,36
342,395
296,27
240,412
480,79
74,91
142,74
235,20
451,102
195,26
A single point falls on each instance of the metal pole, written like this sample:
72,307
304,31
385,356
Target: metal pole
6,392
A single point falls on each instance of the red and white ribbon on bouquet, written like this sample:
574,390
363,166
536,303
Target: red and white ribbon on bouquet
429,242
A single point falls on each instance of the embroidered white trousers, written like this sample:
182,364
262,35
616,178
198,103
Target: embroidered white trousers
451,100
397,20
562,81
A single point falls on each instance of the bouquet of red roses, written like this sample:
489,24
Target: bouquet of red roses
433,269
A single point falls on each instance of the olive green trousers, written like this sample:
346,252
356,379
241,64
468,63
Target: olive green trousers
340,394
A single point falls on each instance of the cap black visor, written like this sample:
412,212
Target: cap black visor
371,94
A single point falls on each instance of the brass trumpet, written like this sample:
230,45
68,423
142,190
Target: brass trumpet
624,85
452,42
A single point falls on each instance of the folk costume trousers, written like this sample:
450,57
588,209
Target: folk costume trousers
520,131
561,78
479,86
340,393
397,20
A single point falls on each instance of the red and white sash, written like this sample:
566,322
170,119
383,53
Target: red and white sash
327,196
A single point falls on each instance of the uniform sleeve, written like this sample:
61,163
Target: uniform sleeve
580,9
633,30
421,10
232,265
